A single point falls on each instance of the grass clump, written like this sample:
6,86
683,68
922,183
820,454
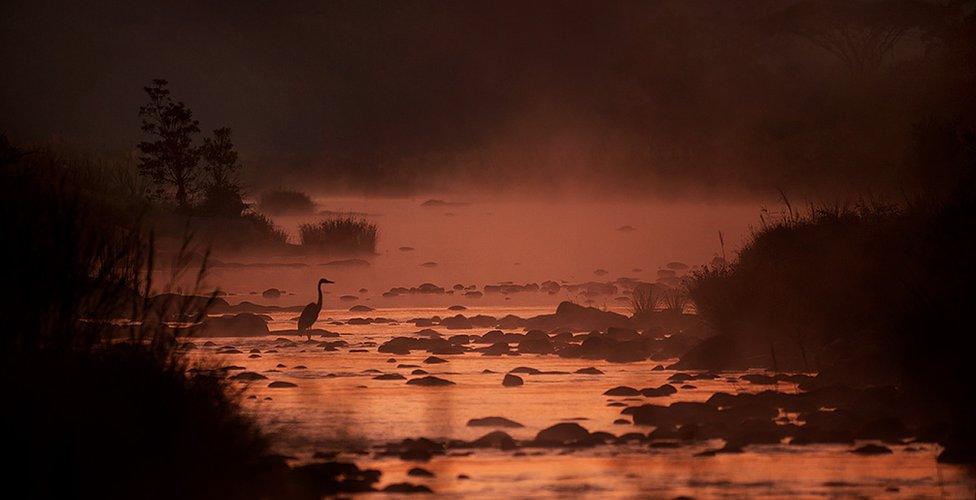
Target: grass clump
340,235
642,300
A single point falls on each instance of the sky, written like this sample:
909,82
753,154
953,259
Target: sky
662,98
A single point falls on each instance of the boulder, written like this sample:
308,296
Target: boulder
535,346
406,488
495,439
622,390
420,472
562,433
429,381
512,380
872,449
589,371
493,422
278,384
657,392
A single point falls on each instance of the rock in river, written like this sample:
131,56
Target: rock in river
656,392
563,433
429,381
493,422
512,380
248,376
278,384
589,371
622,390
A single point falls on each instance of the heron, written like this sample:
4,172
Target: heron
311,312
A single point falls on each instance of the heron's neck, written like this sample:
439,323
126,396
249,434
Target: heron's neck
320,295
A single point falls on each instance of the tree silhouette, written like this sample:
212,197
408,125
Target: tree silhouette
169,158
861,34
223,192
221,158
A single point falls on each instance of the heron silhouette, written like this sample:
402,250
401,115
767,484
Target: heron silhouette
311,312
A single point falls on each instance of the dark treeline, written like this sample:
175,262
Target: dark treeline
811,96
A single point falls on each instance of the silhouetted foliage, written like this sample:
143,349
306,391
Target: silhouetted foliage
222,194
642,300
286,201
93,395
220,158
169,158
859,33
867,294
340,234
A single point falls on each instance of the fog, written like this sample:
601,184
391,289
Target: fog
484,241
674,98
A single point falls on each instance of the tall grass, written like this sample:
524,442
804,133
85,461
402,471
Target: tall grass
642,300
340,234
99,409
865,294
674,300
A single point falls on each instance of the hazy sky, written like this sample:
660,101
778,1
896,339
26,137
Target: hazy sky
688,96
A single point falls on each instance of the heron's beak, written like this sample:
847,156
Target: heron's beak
327,281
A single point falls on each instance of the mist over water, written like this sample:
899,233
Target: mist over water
478,240
603,249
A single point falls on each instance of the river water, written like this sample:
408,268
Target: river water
338,406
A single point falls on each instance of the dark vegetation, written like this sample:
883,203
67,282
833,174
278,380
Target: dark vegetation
99,408
197,187
202,180
339,234
286,201
870,294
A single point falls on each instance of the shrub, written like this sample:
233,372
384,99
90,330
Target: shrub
285,201
266,228
92,397
642,300
340,234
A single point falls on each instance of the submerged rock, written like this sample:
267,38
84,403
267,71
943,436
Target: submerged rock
420,472
389,376
279,384
655,392
512,380
589,371
493,422
496,439
563,433
429,381
872,449
249,376
622,390
407,488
